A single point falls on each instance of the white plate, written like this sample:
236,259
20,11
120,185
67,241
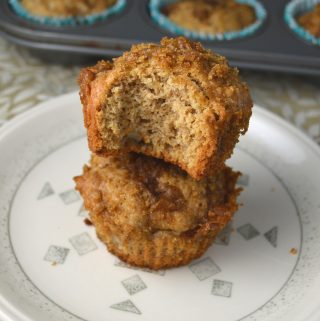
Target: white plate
52,266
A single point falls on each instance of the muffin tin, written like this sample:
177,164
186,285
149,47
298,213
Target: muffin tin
273,47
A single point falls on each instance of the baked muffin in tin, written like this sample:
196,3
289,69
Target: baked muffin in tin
310,21
209,19
65,12
303,18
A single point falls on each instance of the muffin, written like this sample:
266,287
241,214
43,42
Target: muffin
152,214
210,16
66,8
303,18
208,20
65,12
310,21
175,101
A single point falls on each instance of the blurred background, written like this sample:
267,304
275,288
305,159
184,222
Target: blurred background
41,56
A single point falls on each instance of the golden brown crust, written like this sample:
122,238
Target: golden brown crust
86,77
150,213
66,8
222,98
210,16
311,21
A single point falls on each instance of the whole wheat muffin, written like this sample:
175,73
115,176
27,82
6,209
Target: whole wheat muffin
311,21
152,214
210,16
175,101
66,8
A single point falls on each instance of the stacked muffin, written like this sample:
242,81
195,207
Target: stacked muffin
161,121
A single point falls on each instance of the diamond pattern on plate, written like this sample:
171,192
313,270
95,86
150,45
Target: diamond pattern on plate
272,236
56,254
243,180
223,238
82,211
221,288
134,284
46,191
126,306
204,268
70,196
125,265
248,231
83,243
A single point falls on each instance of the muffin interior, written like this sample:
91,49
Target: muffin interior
155,112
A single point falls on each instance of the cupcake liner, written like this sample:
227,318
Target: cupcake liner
293,9
160,251
166,23
67,21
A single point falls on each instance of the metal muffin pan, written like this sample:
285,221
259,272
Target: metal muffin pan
273,47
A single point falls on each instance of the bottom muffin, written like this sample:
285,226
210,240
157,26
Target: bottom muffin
152,214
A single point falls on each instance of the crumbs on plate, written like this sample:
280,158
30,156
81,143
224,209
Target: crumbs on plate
293,251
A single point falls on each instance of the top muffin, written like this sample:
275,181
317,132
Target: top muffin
175,101
210,16
66,8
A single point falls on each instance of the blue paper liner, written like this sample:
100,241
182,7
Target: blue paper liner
295,8
164,22
67,21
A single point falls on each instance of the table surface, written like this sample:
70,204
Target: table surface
26,81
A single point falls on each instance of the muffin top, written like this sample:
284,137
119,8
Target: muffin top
66,8
210,16
152,195
311,21
210,74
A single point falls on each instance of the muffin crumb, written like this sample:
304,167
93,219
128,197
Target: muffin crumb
293,251
87,222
